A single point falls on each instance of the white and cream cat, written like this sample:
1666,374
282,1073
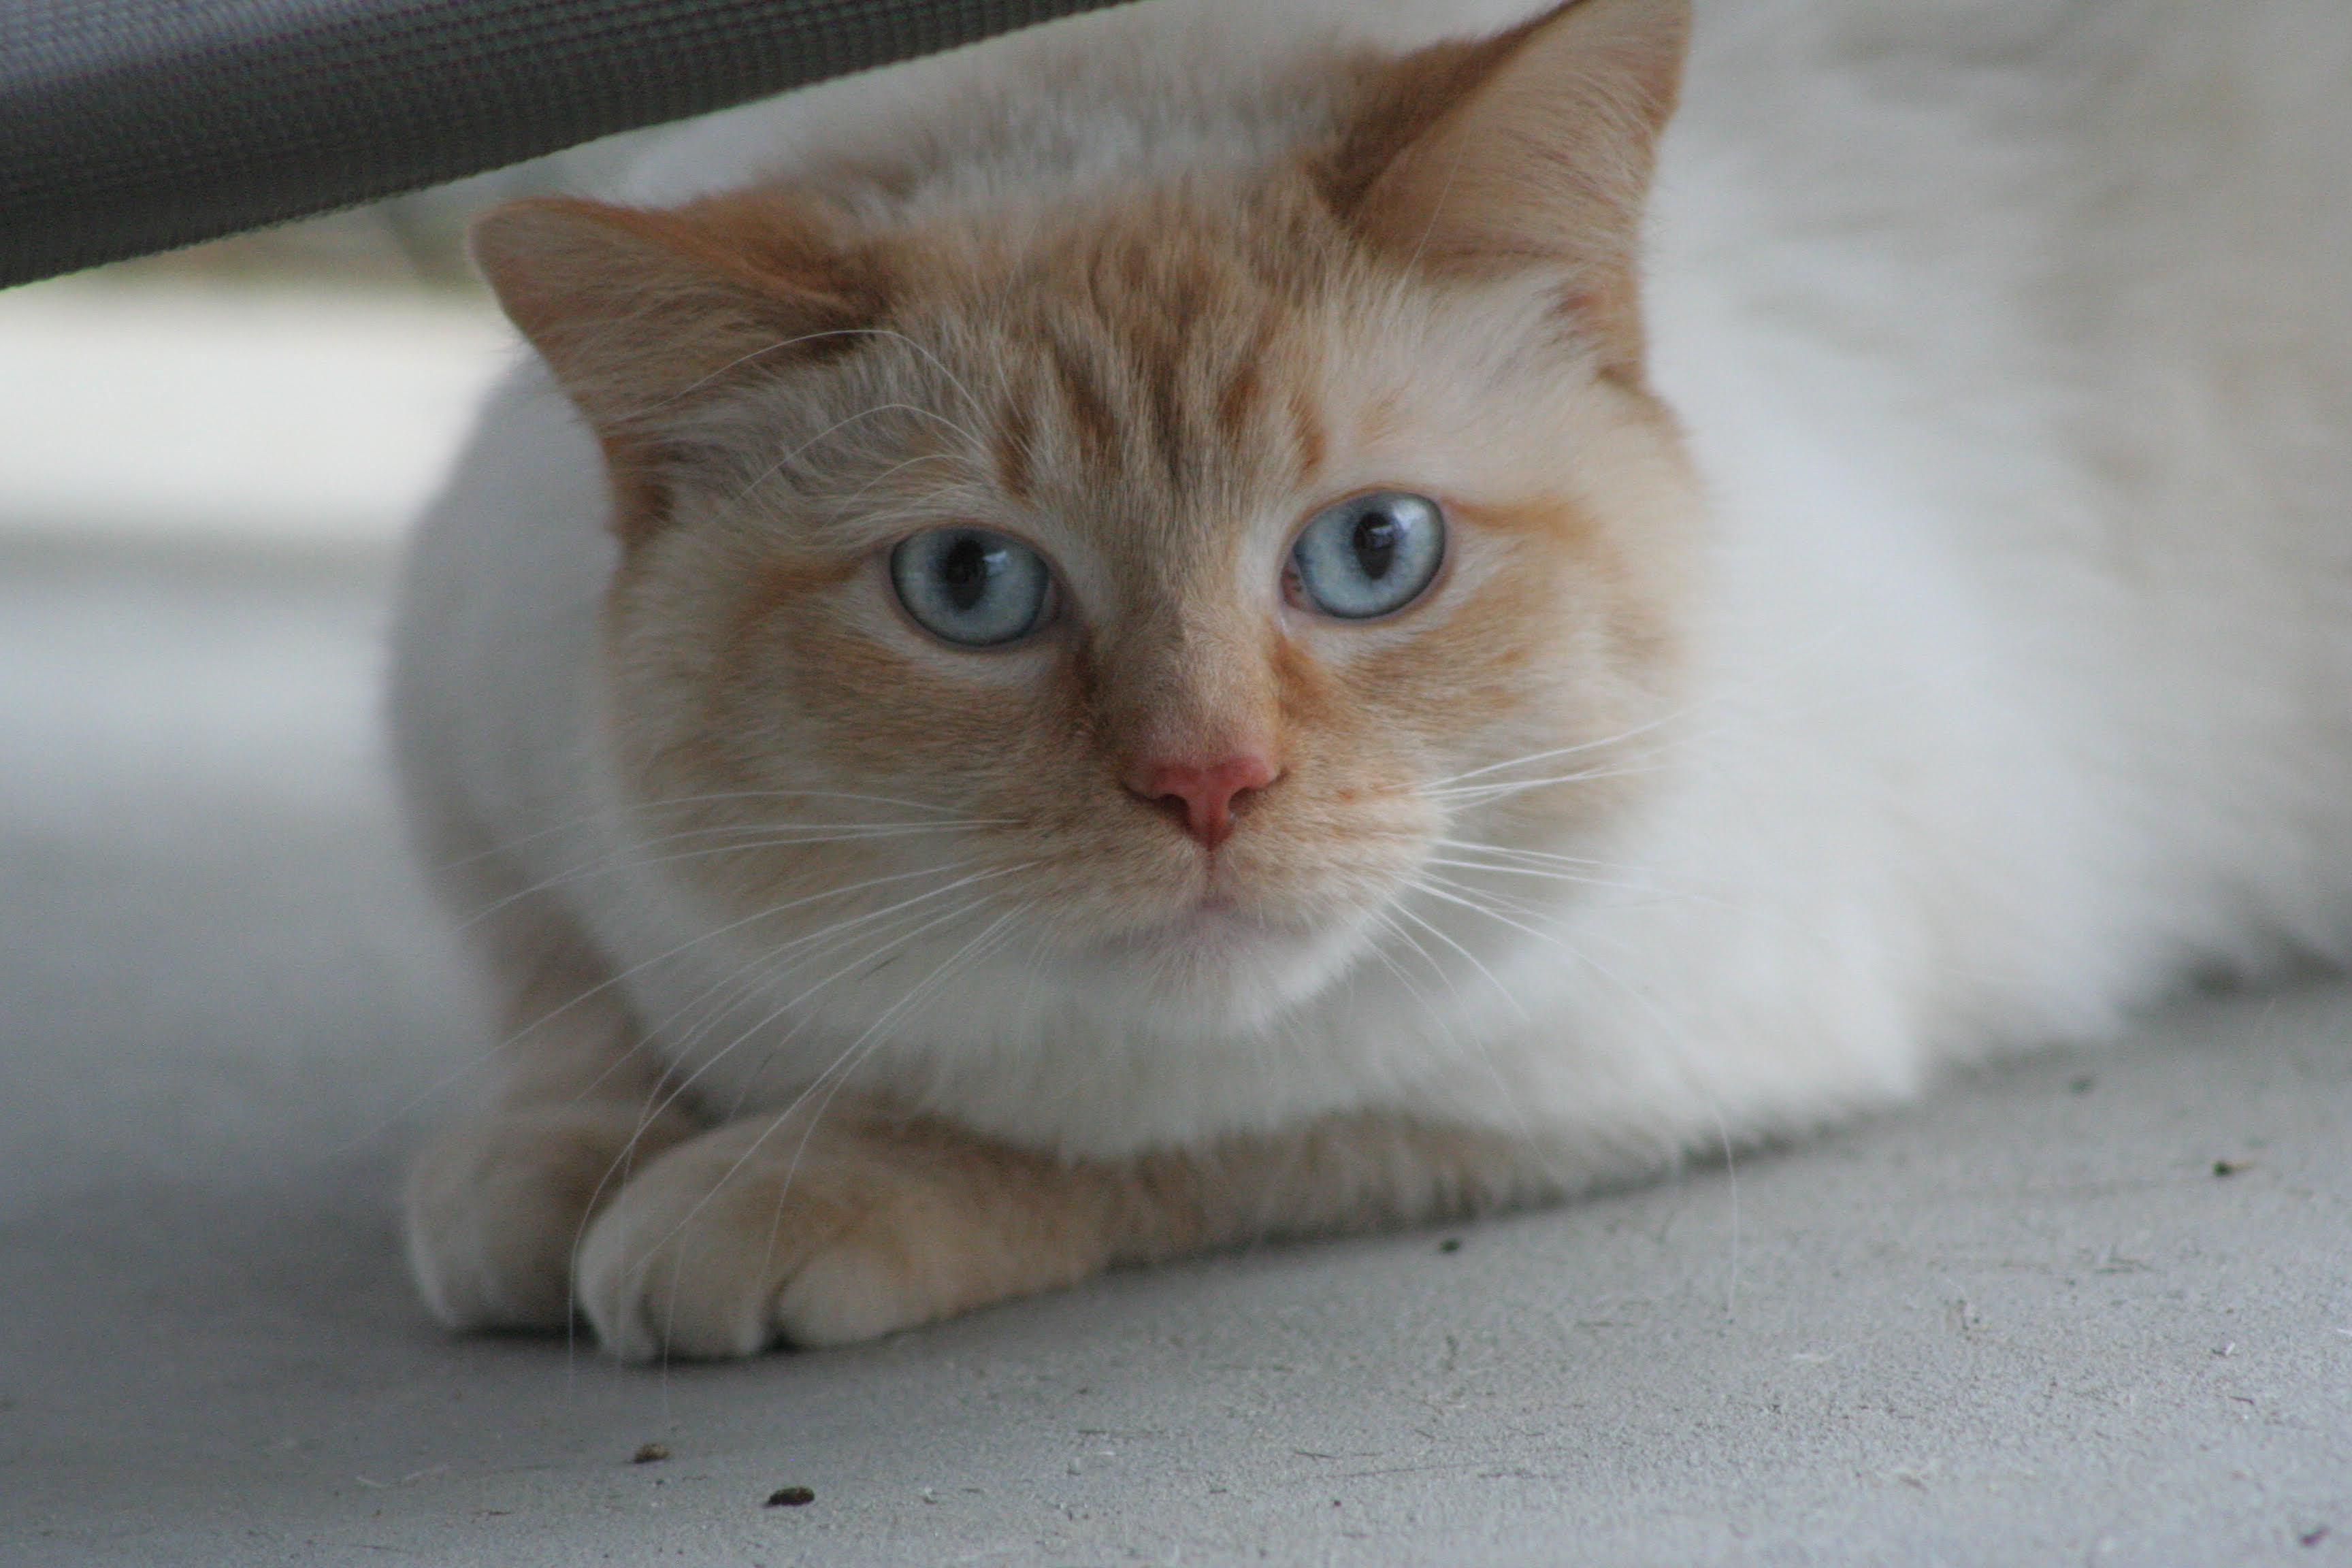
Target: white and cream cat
1223,620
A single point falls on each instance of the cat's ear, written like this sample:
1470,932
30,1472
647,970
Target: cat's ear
1529,150
634,309
638,312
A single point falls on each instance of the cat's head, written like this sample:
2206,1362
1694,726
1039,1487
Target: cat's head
1168,589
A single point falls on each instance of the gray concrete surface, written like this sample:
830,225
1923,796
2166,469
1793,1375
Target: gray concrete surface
2026,1323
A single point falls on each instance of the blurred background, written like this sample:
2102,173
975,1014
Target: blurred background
295,392
213,950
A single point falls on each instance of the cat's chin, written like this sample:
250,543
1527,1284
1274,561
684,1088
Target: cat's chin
1218,967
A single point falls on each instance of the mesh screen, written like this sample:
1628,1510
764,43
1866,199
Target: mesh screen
129,126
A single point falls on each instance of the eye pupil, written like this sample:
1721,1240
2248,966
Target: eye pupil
965,570
1376,543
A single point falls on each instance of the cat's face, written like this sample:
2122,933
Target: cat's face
1150,593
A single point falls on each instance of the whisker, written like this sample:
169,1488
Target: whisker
832,939
620,862
832,934
489,1058
1481,794
1386,918
846,1063
1543,855
884,940
697,384
794,455
684,1084
1447,938
1618,738
1477,1051
1715,1109
1428,885
850,500
843,1065
1527,907
681,803
937,364
1544,872
758,915
815,945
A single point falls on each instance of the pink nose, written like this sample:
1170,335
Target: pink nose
1202,793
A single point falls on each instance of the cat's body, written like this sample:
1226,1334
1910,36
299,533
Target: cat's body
1989,679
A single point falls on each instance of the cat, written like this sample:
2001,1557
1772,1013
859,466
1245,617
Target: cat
1217,622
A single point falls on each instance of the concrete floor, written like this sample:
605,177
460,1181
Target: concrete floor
2030,1322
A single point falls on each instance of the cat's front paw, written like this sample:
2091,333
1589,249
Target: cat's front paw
763,1232
495,1206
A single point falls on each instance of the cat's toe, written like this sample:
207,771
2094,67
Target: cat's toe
495,1208
754,1235
689,1258
854,1291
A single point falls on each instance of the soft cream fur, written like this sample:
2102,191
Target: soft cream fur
1908,615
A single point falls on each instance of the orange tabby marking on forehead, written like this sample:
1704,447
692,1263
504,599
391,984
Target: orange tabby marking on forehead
1306,433
1245,390
1091,413
1010,447
1159,328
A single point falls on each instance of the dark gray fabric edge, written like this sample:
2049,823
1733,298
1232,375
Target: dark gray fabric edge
128,127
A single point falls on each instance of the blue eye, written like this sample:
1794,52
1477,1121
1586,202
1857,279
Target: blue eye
1371,554
971,587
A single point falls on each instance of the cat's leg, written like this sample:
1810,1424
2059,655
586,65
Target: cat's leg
824,1229
497,1205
